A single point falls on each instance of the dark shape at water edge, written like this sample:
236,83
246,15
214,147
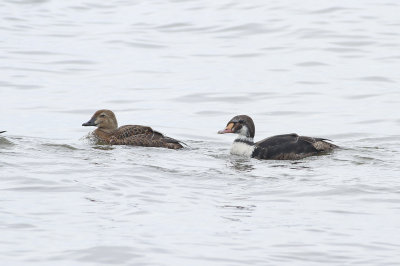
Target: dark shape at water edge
4,142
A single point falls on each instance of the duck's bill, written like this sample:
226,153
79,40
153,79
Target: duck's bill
224,131
91,122
228,129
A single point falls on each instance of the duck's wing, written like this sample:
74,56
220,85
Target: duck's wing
278,140
133,130
290,146
143,136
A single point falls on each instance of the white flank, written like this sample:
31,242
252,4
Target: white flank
242,149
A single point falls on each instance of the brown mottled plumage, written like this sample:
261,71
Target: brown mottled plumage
108,132
281,147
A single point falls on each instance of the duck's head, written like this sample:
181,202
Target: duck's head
103,119
240,124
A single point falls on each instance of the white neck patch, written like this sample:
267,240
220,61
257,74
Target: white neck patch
243,131
242,148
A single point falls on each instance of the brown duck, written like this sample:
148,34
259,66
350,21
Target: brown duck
108,132
281,147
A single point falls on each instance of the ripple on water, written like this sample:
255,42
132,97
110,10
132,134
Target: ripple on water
250,29
311,64
62,147
102,254
201,97
334,9
354,44
376,79
145,44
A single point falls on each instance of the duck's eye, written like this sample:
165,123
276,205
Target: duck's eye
102,115
241,121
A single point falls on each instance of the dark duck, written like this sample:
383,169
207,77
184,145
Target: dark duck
280,147
108,132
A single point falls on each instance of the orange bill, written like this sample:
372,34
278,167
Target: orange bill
228,129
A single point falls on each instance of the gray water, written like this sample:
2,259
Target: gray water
318,68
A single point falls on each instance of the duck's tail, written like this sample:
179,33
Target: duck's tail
174,143
322,144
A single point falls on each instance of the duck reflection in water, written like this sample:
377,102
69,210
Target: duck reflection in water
241,164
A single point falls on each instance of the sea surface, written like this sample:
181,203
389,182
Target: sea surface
317,68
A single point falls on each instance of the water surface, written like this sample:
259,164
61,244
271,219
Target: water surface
185,68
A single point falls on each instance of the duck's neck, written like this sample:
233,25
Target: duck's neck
243,146
103,134
106,130
244,139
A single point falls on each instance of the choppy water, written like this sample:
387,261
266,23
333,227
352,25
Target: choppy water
319,68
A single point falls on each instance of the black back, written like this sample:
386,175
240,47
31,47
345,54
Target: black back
289,146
